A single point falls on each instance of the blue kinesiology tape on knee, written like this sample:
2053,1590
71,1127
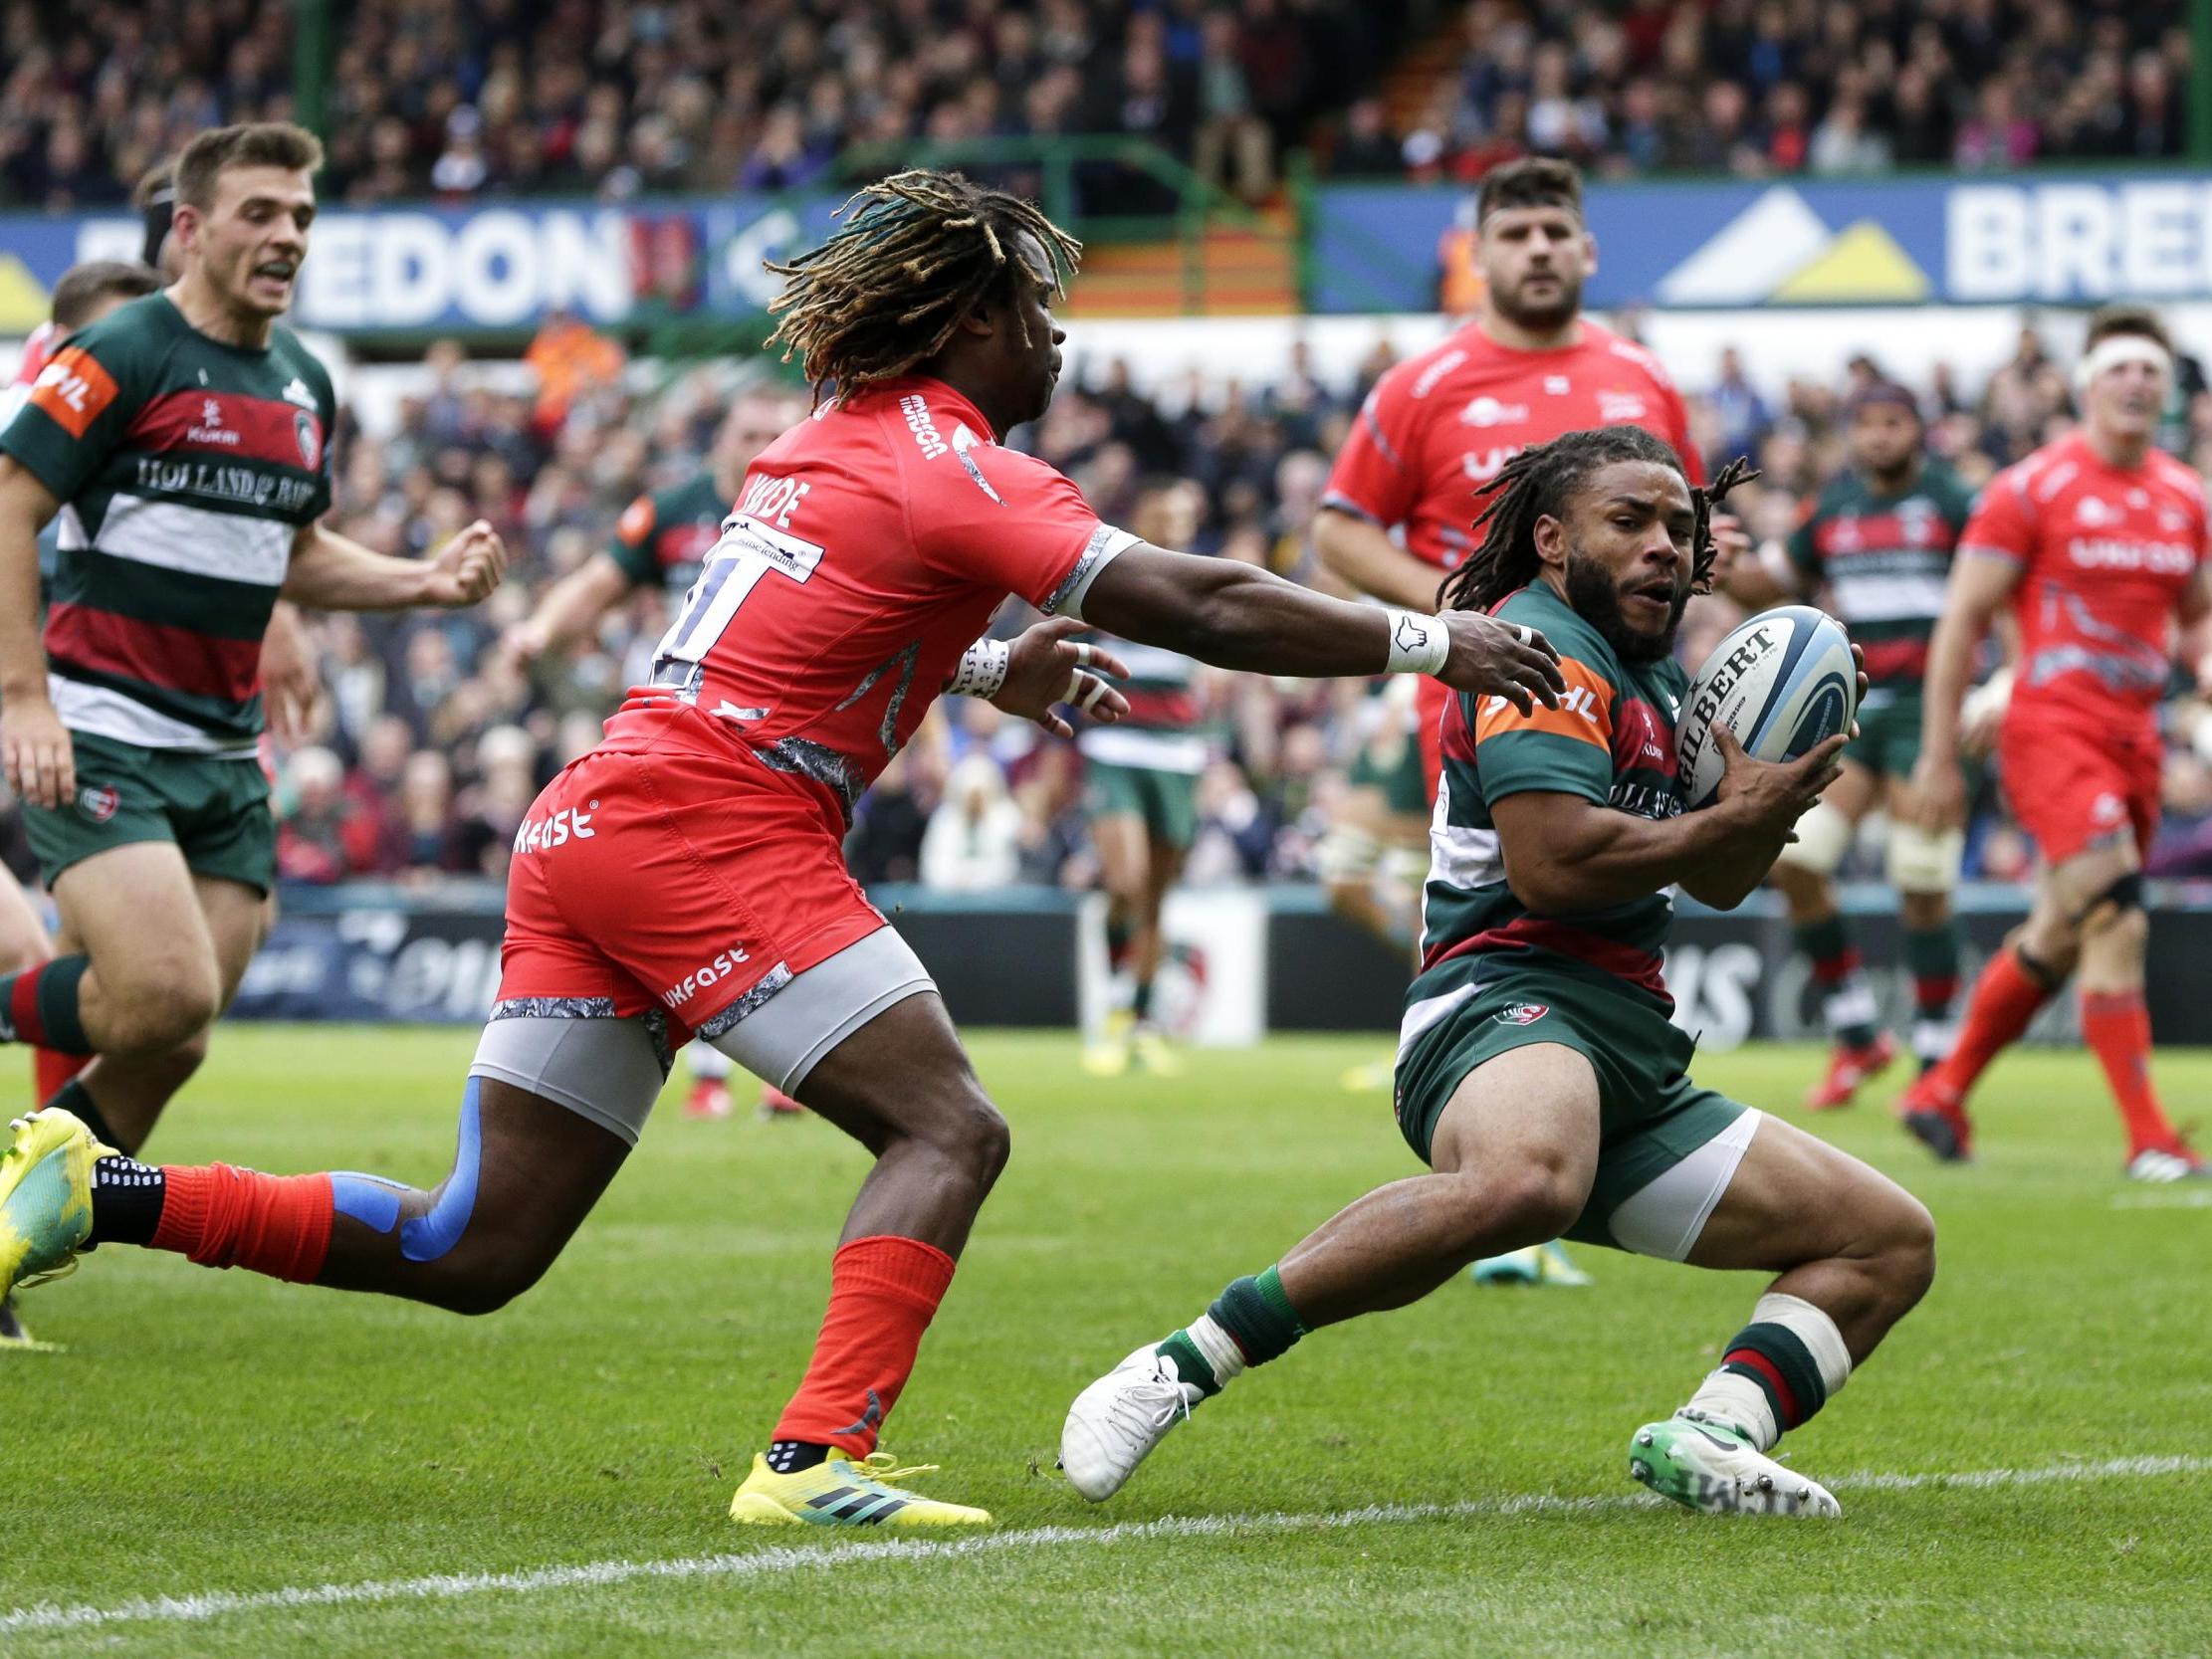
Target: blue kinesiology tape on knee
427,1237
369,1200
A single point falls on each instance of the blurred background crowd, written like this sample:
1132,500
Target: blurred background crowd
434,739
616,96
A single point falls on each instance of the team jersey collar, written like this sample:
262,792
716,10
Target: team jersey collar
941,392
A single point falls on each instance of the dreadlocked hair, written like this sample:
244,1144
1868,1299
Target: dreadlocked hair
1539,484
913,257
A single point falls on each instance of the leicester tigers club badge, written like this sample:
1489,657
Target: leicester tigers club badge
309,436
98,802
1523,1013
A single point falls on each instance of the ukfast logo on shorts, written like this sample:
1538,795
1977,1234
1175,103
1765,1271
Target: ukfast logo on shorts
554,830
726,963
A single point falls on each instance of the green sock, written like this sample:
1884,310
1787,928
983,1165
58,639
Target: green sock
1250,1323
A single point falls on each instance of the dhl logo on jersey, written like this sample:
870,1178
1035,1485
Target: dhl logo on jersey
73,390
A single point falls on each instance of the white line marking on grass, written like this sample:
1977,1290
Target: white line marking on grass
779,1558
2191,1198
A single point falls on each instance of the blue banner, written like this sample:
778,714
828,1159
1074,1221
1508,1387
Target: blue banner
495,266
2062,238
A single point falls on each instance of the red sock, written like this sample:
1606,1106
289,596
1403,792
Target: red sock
2117,1026
883,1293
51,1068
2006,998
224,1217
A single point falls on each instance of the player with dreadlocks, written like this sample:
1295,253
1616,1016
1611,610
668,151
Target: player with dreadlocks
688,875
1538,1074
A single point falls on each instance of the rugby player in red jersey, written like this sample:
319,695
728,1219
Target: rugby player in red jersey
2097,543
687,876
1527,368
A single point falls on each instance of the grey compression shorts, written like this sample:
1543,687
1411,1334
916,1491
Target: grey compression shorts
611,1070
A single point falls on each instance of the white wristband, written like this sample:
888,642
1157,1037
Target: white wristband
1418,643
981,671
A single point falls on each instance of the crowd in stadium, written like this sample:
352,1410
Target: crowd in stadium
434,742
612,98
460,102
1776,86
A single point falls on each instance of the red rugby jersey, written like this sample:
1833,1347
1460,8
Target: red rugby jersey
870,547
1438,425
2105,554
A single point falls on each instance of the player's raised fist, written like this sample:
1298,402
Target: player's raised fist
1045,667
468,568
1491,658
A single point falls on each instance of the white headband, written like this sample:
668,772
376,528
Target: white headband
2114,350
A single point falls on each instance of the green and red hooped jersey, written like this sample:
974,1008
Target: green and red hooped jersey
1886,561
1611,741
185,467
665,536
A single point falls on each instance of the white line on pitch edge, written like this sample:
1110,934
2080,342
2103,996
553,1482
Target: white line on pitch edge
778,1558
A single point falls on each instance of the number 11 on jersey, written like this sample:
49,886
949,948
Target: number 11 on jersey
748,552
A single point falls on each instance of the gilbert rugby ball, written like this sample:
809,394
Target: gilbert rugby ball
1782,682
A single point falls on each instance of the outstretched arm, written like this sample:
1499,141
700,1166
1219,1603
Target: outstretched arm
333,572
1235,616
569,608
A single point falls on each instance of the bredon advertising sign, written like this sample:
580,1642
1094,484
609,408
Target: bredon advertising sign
2057,238
501,266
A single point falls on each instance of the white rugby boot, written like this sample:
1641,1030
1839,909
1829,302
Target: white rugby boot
1704,1463
1115,1422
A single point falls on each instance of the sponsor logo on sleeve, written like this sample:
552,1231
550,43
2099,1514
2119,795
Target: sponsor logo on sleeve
73,390
307,431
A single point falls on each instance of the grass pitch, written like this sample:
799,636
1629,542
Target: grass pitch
2024,1468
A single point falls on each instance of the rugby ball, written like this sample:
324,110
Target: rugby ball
1782,682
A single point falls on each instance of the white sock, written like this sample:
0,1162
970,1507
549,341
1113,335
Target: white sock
1739,1401
1223,1357
1812,1328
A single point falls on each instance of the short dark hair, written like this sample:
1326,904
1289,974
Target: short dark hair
252,144
83,287
2110,321
1532,181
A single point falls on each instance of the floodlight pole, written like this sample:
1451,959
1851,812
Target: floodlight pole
310,65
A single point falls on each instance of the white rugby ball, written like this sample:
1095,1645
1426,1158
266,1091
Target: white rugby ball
1782,682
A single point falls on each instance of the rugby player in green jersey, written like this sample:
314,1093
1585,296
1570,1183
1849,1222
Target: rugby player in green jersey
1875,547
1139,792
660,541
1539,1075
184,441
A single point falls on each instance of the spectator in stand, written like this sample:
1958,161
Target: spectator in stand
1366,149
1741,410
313,818
973,842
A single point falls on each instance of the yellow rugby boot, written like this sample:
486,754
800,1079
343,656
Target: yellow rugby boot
1109,1056
1150,1046
45,1197
838,1492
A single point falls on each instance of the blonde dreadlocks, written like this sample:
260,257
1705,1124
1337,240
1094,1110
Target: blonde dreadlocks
918,254
1537,484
